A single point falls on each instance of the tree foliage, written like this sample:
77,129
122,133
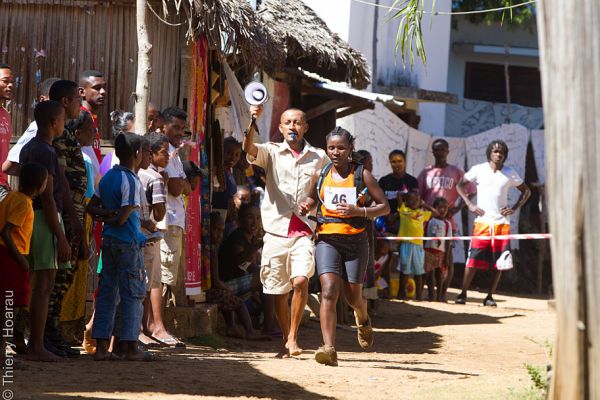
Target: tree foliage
409,38
514,18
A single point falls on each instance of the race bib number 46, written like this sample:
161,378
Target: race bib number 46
338,195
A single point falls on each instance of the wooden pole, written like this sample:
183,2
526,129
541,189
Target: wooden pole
142,85
569,36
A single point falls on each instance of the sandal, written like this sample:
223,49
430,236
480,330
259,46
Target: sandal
89,344
364,333
326,355
171,341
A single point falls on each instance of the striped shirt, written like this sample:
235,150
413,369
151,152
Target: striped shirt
153,186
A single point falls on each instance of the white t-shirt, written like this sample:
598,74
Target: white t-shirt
175,205
15,151
492,190
89,150
437,228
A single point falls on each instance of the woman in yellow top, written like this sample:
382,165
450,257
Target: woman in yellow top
342,248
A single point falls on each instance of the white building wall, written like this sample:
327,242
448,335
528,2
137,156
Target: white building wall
353,21
494,35
336,13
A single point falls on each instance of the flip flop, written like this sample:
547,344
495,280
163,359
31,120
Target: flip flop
171,341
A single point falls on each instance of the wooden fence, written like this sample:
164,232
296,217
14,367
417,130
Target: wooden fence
40,39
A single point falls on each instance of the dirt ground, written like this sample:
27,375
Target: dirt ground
422,351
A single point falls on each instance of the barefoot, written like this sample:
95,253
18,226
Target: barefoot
284,353
43,355
293,348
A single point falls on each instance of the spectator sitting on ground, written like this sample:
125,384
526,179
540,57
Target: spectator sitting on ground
239,257
222,294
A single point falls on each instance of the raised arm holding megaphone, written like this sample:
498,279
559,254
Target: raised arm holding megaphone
288,253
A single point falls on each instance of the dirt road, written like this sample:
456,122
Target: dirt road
422,351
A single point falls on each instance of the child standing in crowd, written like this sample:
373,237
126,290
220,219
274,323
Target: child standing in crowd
155,192
49,249
413,214
436,250
117,202
16,226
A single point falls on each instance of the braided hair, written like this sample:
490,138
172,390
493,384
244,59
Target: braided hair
339,131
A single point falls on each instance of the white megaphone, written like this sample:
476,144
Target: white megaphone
256,93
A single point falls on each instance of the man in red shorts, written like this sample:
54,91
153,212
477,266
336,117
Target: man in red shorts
493,180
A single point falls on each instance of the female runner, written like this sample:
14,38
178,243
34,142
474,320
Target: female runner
342,248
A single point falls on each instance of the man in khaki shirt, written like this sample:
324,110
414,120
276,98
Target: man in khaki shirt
288,252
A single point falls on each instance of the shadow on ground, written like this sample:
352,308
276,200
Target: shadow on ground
195,372
411,315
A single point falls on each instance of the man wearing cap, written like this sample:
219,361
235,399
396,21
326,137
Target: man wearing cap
288,253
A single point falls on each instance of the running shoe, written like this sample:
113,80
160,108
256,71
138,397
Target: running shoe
489,301
326,355
461,299
364,333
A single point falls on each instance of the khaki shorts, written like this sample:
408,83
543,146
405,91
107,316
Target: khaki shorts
152,265
284,259
170,254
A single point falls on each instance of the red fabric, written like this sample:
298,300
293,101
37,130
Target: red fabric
5,136
484,253
96,144
298,228
14,279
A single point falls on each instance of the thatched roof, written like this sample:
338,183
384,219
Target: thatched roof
310,44
234,29
284,33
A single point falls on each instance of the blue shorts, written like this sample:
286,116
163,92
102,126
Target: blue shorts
412,259
343,255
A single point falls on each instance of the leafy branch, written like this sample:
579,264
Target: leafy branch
410,13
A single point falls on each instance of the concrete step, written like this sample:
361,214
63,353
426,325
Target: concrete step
187,322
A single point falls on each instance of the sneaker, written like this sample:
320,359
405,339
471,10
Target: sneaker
326,355
489,302
461,299
364,333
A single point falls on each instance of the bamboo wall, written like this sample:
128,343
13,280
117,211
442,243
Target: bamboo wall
42,39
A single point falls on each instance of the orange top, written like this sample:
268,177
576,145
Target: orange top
16,208
334,192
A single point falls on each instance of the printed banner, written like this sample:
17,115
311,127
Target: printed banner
378,131
419,145
539,154
193,242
